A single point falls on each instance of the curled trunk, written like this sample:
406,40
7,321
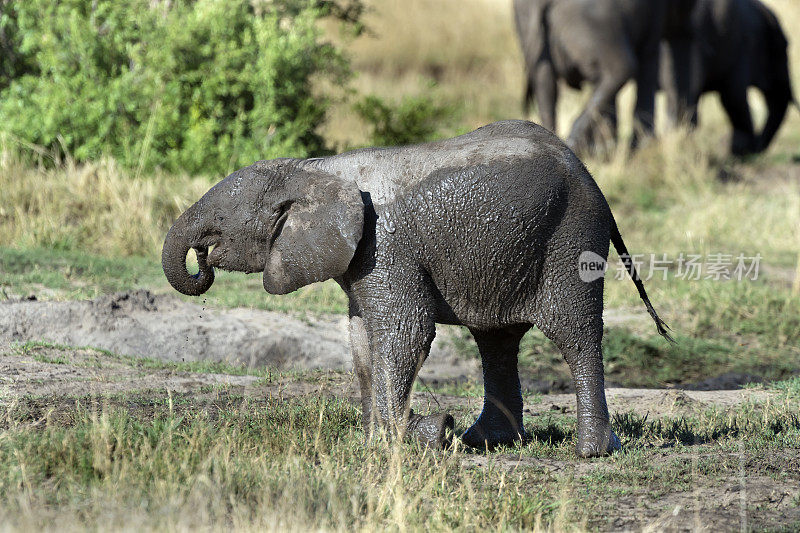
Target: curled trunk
173,261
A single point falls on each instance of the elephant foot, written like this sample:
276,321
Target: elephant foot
488,436
434,431
597,440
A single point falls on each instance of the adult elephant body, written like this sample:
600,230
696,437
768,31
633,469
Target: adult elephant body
730,45
486,230
602,42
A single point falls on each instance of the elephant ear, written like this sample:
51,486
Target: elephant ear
315,233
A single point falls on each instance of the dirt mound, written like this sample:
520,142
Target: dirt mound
143,324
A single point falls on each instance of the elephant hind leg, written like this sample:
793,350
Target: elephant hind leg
613,77
362,364
500,422
546,94
604,130
734,100
578,336
778,101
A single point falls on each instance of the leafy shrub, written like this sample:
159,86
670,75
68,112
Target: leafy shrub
201,86
414,119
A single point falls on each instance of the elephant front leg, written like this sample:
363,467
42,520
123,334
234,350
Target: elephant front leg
401,341
676,72
362,364
618,71
646,87
734,100
500,422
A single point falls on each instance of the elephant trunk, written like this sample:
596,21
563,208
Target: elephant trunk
181,237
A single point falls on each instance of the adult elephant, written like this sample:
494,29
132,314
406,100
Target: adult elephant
602,42
498,230
731,45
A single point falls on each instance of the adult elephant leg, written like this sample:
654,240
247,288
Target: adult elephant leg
362,364
677,72
696,82
402,332
604,131
605,92
778,101
670,77
546,94
734,100
646,85
500,422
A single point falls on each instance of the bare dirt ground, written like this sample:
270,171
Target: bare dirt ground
48,371
140,324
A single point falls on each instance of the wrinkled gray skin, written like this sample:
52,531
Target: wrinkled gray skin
482,230
602,42
728,46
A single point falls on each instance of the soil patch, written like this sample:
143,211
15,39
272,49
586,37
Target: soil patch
143,324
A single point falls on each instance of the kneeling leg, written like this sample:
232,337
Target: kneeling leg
400,344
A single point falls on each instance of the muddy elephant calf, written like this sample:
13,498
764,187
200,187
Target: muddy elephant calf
483,230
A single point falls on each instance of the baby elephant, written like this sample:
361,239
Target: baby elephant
486,230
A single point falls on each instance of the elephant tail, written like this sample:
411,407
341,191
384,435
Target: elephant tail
622,250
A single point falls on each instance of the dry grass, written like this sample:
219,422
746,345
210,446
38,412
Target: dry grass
111,469
466,52
97,207
216,460
296,464
462,52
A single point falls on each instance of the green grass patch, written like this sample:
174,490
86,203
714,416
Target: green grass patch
180,461
294,463
789,386
72,274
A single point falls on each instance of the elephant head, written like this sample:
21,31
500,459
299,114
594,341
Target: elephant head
298,225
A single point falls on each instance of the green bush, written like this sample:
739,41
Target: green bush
415,119
201,86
